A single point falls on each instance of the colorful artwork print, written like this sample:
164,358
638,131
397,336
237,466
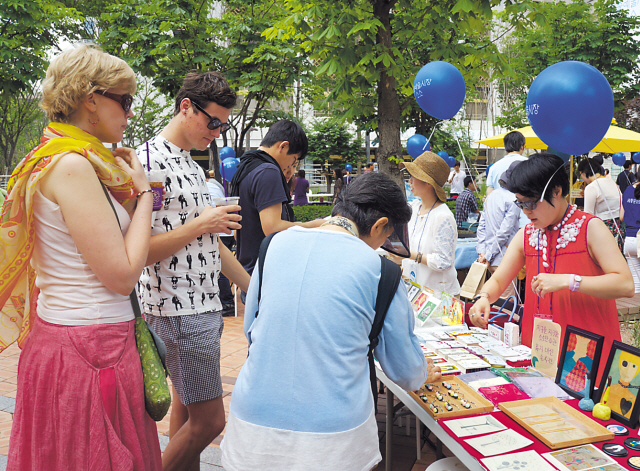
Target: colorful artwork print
578,362
625,383
580,458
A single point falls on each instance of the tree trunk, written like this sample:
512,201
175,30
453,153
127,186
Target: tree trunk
389,112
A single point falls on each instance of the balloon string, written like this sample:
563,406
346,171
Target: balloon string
432,131
224,180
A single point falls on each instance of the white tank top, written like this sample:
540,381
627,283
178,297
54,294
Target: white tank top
70,293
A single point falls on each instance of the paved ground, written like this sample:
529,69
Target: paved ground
233,354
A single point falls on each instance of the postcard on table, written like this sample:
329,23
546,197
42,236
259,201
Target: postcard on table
499,443
475,425
523,461
581,458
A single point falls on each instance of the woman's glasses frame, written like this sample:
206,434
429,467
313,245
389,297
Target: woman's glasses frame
125,100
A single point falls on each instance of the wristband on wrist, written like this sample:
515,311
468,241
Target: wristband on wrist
143,192
574,282
419,258
482,294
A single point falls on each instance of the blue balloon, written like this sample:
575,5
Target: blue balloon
348,167
451,161
443,154
636,157
228,168
439,89
486,172
565,157
619,158
570,106
417,144
227,152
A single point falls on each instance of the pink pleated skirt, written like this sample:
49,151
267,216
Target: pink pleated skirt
80,402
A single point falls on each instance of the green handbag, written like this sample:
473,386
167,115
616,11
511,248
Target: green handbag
153,352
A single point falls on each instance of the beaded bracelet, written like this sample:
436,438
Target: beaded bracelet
143,192
419,257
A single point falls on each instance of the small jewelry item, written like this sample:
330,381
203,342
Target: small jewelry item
91,122
429,387
143,192
433,408
419,258
343,222
446,385
453,394
448,406
466,404
439,396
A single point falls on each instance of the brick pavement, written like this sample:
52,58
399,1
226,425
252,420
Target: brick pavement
233,354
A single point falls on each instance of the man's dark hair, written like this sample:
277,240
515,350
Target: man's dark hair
598,158
467,180
534,173
290,131
204,88
457,164
513,141
369,198
627,165
590,167
301,173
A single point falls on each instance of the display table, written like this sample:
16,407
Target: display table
451,442
464,452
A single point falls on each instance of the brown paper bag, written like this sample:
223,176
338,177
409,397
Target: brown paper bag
474,281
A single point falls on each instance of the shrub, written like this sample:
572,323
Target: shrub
312,211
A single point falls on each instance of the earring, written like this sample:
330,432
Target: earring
97,119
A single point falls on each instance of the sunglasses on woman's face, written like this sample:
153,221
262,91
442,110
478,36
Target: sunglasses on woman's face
125,100
214,123
528,205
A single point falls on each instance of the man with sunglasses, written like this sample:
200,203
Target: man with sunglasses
180,290
263,189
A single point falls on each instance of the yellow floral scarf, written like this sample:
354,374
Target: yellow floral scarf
18,293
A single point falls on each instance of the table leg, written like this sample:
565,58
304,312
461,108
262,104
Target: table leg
439,454
389,432
418,441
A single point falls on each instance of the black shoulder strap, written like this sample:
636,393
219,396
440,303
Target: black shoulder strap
390,276
262,253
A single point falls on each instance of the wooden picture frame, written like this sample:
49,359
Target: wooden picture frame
579,362
623,365
555,423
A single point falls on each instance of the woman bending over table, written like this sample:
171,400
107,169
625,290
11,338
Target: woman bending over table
69,269
575,270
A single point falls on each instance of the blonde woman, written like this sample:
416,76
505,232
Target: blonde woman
68,268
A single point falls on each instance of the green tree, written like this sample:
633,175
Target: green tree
597,33
165,39
18,112
152,112
372,49
28,30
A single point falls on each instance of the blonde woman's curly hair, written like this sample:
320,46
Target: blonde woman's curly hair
76,73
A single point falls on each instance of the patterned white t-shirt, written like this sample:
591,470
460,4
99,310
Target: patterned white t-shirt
187,281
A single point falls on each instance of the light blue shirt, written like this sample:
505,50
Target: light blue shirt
499,167
498,225
307,367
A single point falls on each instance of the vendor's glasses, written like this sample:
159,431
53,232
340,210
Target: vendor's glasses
528,205
125,100
214,123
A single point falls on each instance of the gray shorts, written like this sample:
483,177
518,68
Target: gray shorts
193,354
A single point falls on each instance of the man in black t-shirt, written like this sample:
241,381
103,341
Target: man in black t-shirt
626,178
263,190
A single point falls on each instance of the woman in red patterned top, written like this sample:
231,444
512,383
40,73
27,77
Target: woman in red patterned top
574,268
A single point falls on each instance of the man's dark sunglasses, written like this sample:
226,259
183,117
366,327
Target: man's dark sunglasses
125,100
214,123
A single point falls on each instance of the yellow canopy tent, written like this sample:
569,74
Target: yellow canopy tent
616,140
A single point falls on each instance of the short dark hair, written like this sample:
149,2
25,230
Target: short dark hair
301,173
369,198
290,131
513,141
337,172
457,163
627,165
590,167
534,173
467,180
204,88
598,157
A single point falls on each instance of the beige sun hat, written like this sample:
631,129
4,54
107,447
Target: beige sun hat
432,169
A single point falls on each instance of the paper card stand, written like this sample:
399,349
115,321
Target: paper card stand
545,346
